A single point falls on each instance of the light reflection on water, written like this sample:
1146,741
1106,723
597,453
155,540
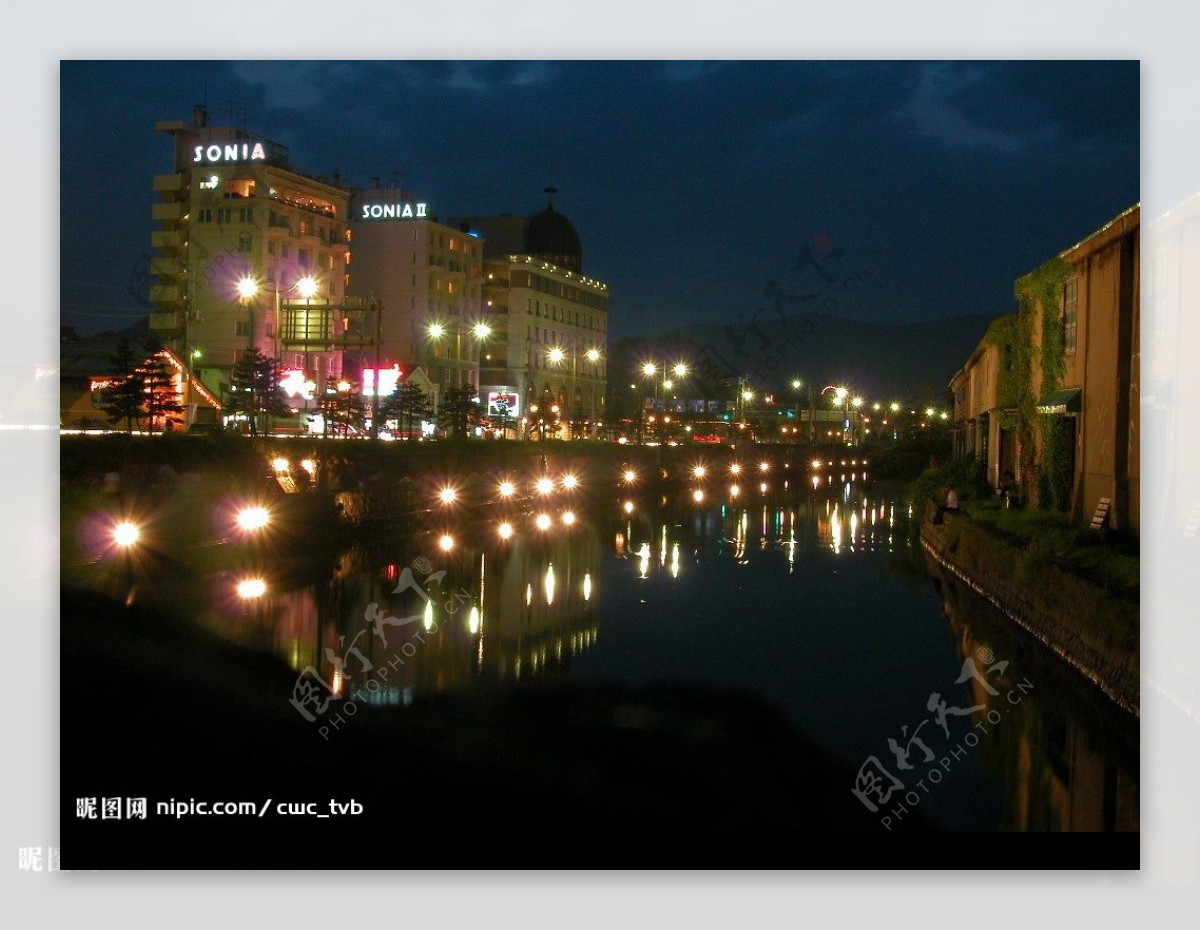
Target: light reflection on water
815,599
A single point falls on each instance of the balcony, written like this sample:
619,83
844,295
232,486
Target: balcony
164,322
164,293
169,212
279,226
168,183
167,240
166,267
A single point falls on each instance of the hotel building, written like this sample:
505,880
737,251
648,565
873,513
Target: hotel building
549,321
250,253
427,279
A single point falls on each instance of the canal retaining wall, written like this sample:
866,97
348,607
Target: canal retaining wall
1087,627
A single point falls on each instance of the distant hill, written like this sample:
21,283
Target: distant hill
878,360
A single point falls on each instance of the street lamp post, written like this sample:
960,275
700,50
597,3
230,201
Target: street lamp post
557,356
650,369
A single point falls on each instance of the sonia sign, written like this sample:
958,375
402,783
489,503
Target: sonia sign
228,153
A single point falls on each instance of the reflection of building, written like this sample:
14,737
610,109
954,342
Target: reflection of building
1060,407
550,321
427,277
519,609
1070,768
232,208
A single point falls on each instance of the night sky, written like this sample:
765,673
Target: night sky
692,185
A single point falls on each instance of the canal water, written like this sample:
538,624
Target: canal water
818,599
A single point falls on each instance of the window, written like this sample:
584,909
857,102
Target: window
245,242
225,215
245,215
204,216
270,247
1070,316
270,330
242,328
285,250
304,257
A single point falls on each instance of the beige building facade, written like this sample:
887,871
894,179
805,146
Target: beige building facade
1089,409
427,277
249,254
549,319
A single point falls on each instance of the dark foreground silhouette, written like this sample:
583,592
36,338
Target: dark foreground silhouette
153,707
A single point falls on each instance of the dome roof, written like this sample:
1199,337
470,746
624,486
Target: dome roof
552,238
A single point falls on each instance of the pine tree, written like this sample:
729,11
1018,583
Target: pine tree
254,388
408,404
125,396
158,380
343,409
545,416
503,419
459,411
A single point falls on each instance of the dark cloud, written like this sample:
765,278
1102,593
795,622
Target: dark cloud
691,183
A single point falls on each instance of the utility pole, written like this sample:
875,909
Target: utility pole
377,307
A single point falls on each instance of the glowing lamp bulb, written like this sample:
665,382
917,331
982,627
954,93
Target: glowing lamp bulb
253,518
568,518
507,489
250,588
505,531
543,521
446,543
125,534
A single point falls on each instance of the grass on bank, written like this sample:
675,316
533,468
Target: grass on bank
1111,561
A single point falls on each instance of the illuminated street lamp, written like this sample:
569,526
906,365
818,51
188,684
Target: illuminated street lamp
557,356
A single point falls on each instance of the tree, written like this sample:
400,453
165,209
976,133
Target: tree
544,416
343,407
124,398
459,411
408,405
158,380
503,419
254,388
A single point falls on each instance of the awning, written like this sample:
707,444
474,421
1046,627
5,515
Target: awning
1065,401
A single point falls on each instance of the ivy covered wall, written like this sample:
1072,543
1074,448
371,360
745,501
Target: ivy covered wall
1032,366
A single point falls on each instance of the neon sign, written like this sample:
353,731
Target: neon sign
393,211
230,152
388,379
500,404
